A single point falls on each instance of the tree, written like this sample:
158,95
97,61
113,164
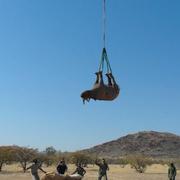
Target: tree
50,151
5,155
122,162
80,158
49,156
23,155
139,162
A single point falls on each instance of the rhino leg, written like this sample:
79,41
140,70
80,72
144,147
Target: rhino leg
112,78
99,78
109,79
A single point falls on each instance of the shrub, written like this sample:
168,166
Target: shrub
139,162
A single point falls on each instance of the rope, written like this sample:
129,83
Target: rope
104,56
104,53
104,23
109,70
101,65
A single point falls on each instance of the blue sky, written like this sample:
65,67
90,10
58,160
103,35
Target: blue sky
49,51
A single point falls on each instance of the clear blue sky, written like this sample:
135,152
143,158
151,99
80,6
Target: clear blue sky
49,51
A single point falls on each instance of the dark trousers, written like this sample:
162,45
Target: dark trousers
102,176
172,178
35,176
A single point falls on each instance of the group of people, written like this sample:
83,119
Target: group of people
103,168
62,169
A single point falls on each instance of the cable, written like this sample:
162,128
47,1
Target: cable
104,56
104,23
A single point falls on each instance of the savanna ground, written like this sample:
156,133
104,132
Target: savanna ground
154,172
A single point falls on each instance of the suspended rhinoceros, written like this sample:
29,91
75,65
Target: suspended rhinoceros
101,91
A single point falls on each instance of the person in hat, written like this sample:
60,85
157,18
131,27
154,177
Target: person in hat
172,172
34,169
79,170
62,167
103,168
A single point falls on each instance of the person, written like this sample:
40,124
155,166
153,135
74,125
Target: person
79,170
103,168
34,169
62,167
172,172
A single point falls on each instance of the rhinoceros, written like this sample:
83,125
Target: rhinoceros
101,91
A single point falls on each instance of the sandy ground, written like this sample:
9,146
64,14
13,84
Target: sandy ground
154,172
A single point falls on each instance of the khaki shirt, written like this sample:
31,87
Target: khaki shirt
34,168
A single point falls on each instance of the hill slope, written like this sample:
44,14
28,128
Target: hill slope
151,143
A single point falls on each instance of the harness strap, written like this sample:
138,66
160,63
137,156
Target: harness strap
104,57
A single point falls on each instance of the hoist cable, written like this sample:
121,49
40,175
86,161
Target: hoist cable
104,56
104,23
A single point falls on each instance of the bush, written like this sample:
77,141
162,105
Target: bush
139,162
24,155
5,155
81,158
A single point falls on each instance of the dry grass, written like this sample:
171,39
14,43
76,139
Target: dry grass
154,172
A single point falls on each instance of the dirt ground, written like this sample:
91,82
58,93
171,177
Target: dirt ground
154,172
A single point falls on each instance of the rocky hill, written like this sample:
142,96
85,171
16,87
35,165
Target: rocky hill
151,143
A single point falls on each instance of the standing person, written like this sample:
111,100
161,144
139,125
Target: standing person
34,169
62,167
79,170
103,168
172,172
